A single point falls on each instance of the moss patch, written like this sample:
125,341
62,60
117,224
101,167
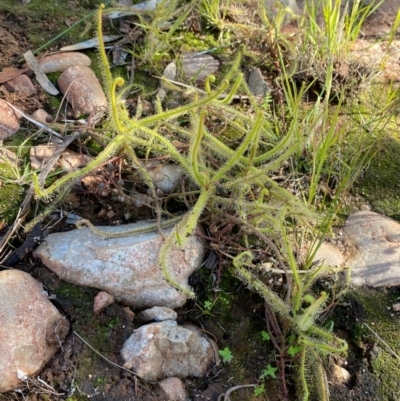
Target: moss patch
11,196
385,323
11,191
380,183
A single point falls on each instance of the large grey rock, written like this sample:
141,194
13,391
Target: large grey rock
125,267
31,328
160,350
373,243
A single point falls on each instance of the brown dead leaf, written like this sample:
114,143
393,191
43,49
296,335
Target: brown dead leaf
10,73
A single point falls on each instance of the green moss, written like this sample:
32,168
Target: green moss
384,322
72,292
95,329
193,43
19,143
100,381
11,196
380,183
11,193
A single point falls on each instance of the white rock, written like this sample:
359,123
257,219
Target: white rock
9,121
31,328
82,90
330,255
340,374
125,267
158,314
159,350
373,243
169,73
166,177
172,389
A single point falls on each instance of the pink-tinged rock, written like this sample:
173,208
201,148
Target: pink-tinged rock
9,121
42,116
101,301
31,328
69,160
172,389
39,155
61,61
373,247
6,155
21,84
82,90
160,350
125,267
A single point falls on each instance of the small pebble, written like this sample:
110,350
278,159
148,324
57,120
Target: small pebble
101,301
42,116
157,314
166,177
257,85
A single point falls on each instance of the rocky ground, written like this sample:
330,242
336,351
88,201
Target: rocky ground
60,307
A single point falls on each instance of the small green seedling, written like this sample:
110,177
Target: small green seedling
265,336
208,306
293,350
268,372
259,390
226,355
